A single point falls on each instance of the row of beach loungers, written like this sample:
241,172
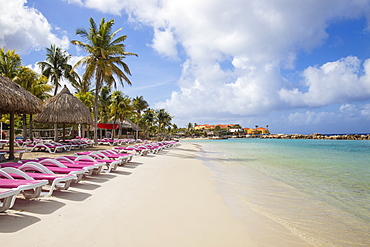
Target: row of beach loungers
67,145
53,147
30,143
40,177
117,142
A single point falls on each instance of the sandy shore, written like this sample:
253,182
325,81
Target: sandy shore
167,199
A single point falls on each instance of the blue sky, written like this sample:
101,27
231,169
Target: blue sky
297,66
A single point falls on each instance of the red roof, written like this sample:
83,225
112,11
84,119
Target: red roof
223,126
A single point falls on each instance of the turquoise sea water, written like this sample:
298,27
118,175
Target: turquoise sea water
318,189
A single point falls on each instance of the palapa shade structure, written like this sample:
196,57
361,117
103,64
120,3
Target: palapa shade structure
64,108
129,125
125,124
14,99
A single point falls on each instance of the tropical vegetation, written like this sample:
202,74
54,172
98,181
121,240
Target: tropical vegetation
56,68
103,68
104,60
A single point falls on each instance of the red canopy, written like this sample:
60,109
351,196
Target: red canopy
107,126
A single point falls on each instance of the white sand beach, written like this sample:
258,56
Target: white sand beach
167,199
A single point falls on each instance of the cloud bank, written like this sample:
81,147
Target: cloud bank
24,28
234,53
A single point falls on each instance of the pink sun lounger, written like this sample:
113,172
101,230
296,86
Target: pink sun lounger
111,165
79,173
29,188
98,166
135,149
53,162
123,158
31,172
7,198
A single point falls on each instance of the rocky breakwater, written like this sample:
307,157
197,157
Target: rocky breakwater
317,136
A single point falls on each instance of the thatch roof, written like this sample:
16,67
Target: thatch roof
64,108
127,124
16,99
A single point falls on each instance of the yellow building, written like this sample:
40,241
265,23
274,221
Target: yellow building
256,131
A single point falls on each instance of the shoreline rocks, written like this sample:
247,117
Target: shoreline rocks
317,136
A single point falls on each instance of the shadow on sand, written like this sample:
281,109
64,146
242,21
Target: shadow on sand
71,195
37,206
13,222
131,165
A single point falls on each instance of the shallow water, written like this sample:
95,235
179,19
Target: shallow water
318,189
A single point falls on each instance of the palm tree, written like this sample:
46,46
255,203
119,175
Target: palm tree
140,104
36,84
82,86
55,68
174,129
11,67
124,111
85,95
105,59
146,122
88,99
9,63
104,102
114,106
164,120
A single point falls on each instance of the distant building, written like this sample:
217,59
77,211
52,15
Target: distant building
256,131
204,127
210,126
233,128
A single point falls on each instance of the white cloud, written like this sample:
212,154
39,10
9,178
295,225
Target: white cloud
365,111
258,39
346,115
334,82
24,28
356,112
312,118
165,43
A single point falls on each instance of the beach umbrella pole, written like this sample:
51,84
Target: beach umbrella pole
11,137
64,132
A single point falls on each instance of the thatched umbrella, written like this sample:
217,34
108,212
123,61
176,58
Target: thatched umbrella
64,108
14,99
127,124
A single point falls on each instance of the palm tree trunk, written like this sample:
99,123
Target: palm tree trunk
114,125
97,87
96,119
120,130
82,131
56,125
88,131
24,132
